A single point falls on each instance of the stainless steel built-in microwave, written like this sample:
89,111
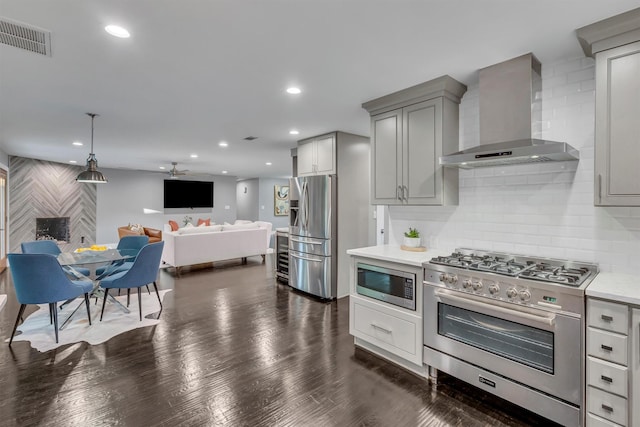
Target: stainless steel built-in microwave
393,286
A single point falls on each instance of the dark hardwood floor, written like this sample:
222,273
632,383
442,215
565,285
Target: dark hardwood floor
234,348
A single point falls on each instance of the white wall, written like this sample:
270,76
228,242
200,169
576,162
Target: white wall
4,158
538,209
267,202
121,201
247,198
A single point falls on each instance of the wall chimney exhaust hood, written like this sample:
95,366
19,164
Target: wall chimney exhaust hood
510,112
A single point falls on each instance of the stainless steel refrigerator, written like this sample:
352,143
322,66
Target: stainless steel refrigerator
312,235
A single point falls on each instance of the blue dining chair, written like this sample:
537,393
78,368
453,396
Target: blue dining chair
126,242
143,272
40,279
51,247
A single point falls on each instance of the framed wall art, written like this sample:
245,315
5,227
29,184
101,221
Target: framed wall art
281,200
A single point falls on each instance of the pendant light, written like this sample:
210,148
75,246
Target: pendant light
92,175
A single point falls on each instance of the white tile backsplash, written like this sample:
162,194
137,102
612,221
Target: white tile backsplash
540,209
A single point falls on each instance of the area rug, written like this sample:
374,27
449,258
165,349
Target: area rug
38,330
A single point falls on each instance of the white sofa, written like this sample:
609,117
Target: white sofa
197,245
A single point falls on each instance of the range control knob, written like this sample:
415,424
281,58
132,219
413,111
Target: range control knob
466,283
512,292
525,295
453,279
444,277
477,285
494,289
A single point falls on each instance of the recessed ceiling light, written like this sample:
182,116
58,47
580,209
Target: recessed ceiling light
534,157
223,144
162,167
117,31
78,143
293,90
293,132
72,161
225,171
268,163
194,156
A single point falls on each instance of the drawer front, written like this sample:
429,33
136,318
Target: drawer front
608,315
607,376
607,346
607,405
384,330
593,421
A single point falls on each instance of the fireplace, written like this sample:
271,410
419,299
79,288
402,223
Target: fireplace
56,229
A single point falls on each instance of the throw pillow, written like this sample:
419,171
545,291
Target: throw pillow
174,225
206,222
242,221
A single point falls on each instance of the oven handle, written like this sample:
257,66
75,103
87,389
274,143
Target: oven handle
546,320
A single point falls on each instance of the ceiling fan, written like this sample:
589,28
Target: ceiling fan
175,172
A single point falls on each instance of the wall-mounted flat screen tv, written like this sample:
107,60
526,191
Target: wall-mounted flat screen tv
188,194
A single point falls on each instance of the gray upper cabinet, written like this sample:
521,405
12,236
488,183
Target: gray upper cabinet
317,156
615,44
410,130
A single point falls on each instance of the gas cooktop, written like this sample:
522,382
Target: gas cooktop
542,269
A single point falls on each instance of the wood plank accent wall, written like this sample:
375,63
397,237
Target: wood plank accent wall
41,189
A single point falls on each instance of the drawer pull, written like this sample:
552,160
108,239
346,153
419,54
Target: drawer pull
606,347
383,329
606,379
607,407
606,318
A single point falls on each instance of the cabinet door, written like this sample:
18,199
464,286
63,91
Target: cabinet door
422,148
617,145
325,155
386,156
634,368
306,159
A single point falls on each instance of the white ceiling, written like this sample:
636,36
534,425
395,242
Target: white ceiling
196,72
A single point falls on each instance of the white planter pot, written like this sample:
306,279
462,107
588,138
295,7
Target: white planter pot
412,242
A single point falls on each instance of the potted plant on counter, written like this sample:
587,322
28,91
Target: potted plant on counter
412,238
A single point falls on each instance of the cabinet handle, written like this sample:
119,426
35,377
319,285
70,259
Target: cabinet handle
606,347
405,192
376,326
399,192
607,318
599,188
607,408
606,379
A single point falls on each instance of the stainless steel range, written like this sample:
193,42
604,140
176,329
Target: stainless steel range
512,325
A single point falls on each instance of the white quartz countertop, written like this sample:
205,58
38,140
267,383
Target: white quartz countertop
616,287
393,253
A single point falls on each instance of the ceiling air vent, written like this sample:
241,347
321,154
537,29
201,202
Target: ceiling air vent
250,138
25,37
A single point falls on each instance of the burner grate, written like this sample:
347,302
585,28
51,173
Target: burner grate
563,273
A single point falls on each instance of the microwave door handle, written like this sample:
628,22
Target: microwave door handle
461,301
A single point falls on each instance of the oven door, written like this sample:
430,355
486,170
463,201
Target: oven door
538,348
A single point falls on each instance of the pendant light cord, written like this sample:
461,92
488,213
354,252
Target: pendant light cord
92,115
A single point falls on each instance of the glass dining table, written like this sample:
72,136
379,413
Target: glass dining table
111,258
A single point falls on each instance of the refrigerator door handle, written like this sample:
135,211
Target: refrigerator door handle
306,205
308,242
305,258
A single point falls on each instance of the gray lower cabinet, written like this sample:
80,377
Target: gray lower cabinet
410,130
613,364
615,45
